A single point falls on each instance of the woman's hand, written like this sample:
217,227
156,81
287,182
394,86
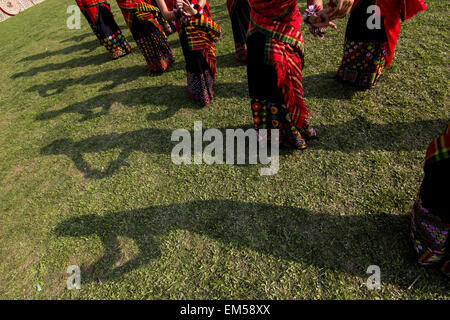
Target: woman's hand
185,8
322,18
342,9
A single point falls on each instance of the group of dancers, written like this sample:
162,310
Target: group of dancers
267,37
150,22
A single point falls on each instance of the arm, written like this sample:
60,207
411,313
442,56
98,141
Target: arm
168,15
342,9
321,18
185,7
315,2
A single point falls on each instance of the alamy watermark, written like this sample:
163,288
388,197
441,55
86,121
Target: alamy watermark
74,281
235,151
374,21
74,20
374,281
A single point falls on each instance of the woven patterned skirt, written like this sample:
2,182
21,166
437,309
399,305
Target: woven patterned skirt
200,79
366,51
239,11
167,26
269,109
153,44
108,32
430,220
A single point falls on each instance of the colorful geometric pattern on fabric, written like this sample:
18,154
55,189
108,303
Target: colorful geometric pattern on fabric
267,115
393,12
201,33
288,63
110,36
282,32
200,87
272,10
430,235
141,9
141,17
280,21
430,221
439,148
90,8
167,26
156,51
116,44
363,62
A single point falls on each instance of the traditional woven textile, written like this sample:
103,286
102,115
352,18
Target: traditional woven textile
202,32
280,21
439,148
363,62
268,115
143,10
368,52
200,87
393,12
430,235
100,18
142,19
430,220
90,7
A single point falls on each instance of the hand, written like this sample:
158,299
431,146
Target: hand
342,9
322,19
185,8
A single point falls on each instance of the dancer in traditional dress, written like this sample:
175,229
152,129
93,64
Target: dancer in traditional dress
167,26
239,11
142,19
100,18
198,33
430,221
274,68
369,51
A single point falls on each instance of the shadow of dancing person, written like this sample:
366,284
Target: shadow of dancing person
347,244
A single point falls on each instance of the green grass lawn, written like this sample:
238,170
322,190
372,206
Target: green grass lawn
86,176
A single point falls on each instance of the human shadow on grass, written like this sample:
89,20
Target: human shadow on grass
159,141
361,134
150,95
111,77
174,42
145,140
115,77
155,141
82,48
223,61
78,38
327,86
84,61
344,243
229,61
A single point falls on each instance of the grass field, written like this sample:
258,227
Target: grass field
86,176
